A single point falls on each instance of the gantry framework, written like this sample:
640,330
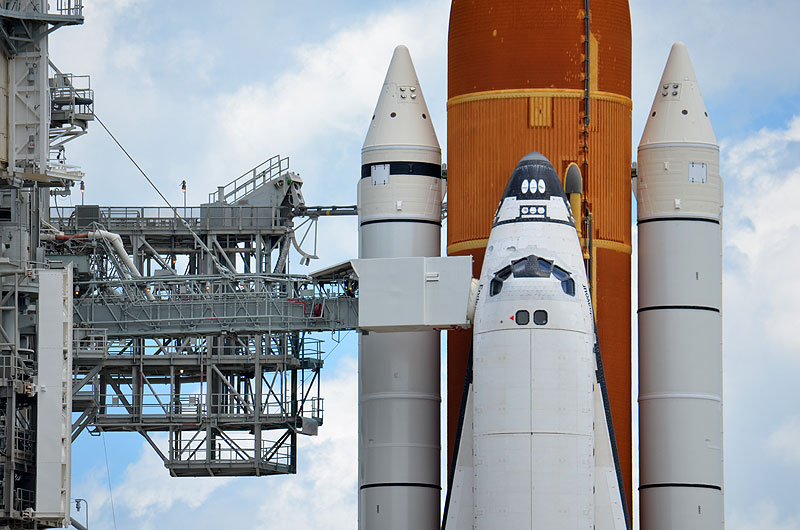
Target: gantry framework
221,358
181,324
40,113
232,382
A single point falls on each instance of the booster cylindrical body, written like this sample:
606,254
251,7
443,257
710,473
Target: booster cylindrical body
400,203
517,74
679,196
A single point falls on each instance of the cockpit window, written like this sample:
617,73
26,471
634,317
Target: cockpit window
532,267
567,283
496,285
560,273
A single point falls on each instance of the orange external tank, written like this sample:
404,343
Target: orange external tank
520,80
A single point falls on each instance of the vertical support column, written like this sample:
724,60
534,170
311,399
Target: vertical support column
54,398
293,435
210,400
257,406
29,106
8,468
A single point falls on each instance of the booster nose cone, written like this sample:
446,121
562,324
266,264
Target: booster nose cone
401,126
534,178
678,113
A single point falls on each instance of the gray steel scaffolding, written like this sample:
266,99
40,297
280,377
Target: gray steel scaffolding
33,493
233,383
221,358
224,358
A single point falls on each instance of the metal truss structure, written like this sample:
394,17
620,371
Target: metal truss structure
232,383
220,358
180,324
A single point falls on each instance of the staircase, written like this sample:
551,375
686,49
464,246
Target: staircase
243,186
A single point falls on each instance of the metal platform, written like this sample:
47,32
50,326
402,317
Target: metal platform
225,360
186,320
203,305
226,365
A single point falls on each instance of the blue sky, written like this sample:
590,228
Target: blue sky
203,91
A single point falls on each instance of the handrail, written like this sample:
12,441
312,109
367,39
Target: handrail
206,217
261,174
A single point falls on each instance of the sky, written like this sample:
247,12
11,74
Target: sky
203,91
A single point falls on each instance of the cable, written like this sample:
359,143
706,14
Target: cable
199,241
337,345
108,476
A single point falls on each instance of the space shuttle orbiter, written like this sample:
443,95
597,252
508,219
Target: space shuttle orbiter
535,445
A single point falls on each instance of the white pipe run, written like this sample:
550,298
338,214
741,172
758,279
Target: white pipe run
112,239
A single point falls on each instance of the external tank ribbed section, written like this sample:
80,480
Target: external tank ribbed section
475,125
496,44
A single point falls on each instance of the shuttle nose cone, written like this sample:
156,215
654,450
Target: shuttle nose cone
678,113
401,122
534,178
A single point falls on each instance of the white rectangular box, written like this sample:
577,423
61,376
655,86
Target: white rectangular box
413,294
54,398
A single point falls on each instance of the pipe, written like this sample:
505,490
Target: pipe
76,524
112,239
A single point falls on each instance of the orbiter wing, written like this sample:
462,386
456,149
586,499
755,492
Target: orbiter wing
458,506
610,507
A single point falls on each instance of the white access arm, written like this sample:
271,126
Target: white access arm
414,294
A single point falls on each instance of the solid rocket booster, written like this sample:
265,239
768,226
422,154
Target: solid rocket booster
679,194
399,205
540,450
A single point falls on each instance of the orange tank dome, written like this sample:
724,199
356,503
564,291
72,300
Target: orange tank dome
494,45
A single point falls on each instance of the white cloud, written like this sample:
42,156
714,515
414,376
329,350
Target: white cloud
762,516
329,94
761,223
94,36
318,111
147,488
192,53
714,29
786,440
760,312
